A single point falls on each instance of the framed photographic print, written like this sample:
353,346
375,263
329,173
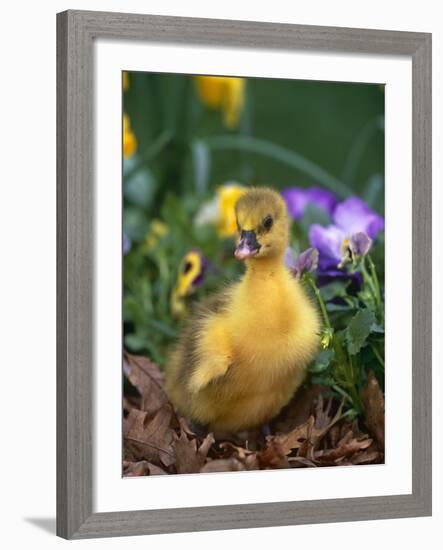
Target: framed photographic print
244,274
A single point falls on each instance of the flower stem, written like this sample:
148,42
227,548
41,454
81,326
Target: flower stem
345,363
279,153
351,383
321,303
378,355
375,280
371,279
154,149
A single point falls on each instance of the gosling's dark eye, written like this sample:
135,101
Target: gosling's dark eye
268,222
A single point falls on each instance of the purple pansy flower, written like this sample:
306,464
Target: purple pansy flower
289,259
353,216
350,217
297,199
328,241
306,262
126,244
354,248
360,244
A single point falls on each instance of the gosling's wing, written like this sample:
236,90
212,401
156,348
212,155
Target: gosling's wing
207,351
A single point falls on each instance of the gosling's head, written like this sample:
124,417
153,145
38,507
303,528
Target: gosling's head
262,224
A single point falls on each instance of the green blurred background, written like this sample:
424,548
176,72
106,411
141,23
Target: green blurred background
289,133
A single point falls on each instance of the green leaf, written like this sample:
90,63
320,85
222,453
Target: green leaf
322,361
335,289
174,214
135,342
373,192
201,159
359,329
135,224
323,379
139,189
339,307
377,329
132,310
162,327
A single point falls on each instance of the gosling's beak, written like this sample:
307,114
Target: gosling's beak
248,245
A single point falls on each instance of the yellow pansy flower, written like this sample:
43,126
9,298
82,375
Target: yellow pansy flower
220,211
223,93
228,196
190,276
125,80
157,230
129,139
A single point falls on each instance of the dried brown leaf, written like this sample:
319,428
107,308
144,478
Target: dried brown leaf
345,450
300,461
346,438
149,437
298,410
322,413
295,438
223,465
367,457
148,379
334,435
185,427
313,429
229,449
127,405
189,457
304,438
141,468
274,455
251,462
374,402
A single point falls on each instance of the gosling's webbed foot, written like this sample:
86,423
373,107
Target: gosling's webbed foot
265,430
201,430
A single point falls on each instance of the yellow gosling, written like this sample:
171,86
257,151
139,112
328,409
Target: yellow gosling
245,350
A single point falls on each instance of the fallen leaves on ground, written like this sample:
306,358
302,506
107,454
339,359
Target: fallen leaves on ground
190,454
311,431
150,437
147,379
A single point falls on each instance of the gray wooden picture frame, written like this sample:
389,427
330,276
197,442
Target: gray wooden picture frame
76,32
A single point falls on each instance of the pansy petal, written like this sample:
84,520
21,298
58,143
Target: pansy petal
306,262
223,93
191,274
323,199
289,259
376,225
296,200
228,196
360,244
353,216
328,241
126,244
